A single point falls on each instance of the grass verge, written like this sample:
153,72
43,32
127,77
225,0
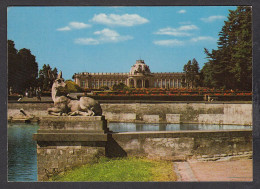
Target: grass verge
121,170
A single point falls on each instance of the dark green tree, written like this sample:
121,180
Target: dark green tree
187,71
46,77
120,86
230,66
195,73
22,69
30,70
12,66
191,70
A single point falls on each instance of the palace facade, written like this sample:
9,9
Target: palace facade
139,76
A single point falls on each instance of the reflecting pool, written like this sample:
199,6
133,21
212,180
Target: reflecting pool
22,156
138,127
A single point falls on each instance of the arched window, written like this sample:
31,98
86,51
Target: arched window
139,83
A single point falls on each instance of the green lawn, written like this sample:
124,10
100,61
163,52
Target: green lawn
123,169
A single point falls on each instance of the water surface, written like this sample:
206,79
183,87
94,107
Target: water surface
22,156
138,127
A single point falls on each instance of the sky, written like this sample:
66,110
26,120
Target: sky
111,39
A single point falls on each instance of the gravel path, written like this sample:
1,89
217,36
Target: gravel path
239,170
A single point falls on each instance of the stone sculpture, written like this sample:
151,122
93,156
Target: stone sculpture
63,105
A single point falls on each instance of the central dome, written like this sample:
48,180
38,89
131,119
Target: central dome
140,68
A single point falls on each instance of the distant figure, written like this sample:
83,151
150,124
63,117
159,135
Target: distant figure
38,93
11,91
30,95
26,93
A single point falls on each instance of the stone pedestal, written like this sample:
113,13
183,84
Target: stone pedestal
64,142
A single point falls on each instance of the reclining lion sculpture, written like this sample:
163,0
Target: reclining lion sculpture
63,105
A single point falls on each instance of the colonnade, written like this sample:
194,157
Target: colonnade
136,82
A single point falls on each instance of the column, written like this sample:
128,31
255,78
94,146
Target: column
142,83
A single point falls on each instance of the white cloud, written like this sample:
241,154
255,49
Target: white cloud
213,18
107,33
78,25
119,20
74,25
187,27
170,42
66,28
105,36
86,41
203,38
181,31
175,42
182,11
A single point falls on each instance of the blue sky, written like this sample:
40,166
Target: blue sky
111,39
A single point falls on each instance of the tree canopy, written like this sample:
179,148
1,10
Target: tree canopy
22,68
47,75
191,70
72,87
230,66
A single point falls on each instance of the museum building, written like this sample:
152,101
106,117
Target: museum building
139,76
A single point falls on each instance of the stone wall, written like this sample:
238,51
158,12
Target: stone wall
170,112
64,142
56,157
162,112
37,109
181,145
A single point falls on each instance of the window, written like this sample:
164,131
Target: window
155,84
83,84
175,83
167,83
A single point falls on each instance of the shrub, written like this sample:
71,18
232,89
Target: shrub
72,87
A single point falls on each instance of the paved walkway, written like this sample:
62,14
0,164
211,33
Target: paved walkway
239,170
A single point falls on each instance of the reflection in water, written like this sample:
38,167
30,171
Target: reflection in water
135,127
22,157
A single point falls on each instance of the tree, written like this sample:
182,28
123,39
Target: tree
230,66
191,70
22,68
72,87
120,86
47,75
30,71
12,65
